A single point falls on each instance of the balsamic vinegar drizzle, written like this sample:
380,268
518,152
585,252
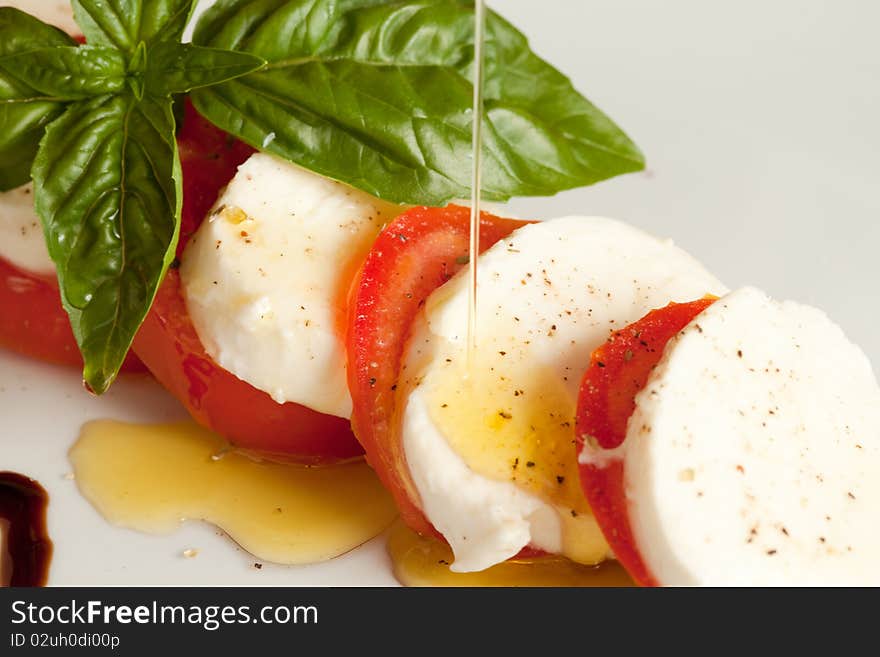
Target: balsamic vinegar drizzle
23,505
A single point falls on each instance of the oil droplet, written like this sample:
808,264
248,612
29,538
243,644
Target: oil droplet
153,477
420,561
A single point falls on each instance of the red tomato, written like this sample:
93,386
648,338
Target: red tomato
209,159
169,345
618,370
167,342
34,323
414,255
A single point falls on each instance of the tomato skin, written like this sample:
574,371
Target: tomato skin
618,371
415,254
209,159
33,322
169,345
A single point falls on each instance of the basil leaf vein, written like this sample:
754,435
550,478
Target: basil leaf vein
109,179
123,24
70,72
24,111
378,95
178,68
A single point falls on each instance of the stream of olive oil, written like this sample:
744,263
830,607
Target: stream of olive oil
153,477
477,176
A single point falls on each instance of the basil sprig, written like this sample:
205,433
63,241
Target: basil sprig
378,95
25,111
97,123
374,93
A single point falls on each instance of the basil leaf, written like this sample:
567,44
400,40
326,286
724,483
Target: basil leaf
22,32
177,68
109,179
378,95
123,24
24,111
70,72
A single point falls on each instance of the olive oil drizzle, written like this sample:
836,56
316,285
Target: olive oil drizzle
477,174
422,561
151,477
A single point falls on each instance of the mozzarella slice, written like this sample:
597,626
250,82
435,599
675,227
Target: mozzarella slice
490,452
754,451
21,234
266,277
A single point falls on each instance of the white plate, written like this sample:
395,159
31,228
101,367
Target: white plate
759,121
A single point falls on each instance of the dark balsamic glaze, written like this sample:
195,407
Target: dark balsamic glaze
23,505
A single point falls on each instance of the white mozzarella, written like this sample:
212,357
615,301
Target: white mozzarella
55,12
485,521
547,297
265,279
753,455
21,235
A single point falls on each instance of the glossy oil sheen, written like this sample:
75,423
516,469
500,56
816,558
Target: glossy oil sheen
419,561
152,477
526,438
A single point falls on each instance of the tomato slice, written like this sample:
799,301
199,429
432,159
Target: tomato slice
33,322
415,254
169,345
249,418
618,370
209,159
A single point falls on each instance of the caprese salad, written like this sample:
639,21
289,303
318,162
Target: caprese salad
303,293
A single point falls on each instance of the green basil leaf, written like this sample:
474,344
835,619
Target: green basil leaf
109,179
180,67
22,32
123,24
24,111
378,95
69,72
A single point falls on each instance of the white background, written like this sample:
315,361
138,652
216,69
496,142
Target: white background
759,120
